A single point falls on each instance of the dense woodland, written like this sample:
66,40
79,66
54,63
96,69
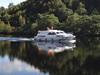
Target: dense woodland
78,16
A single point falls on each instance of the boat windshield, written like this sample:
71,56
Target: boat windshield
60,32
51,33
54,33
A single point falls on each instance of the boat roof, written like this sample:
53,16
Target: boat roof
52,31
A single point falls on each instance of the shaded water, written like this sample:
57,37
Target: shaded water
36,58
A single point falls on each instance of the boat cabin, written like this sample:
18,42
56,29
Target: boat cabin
52,32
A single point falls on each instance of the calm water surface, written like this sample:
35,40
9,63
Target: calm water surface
27,57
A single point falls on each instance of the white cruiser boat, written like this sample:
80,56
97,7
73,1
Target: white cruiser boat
54,35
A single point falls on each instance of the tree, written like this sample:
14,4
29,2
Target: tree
10,5
47,21
62,14
21,21
1,11
95,28
81,10
6,17
5,27
95,12
72,23
2,8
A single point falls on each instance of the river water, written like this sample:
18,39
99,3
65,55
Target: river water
26,57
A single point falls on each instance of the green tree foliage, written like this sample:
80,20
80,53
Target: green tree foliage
1,25
69,15
47,20
95,12
96,24
72,23
91,5
60,10
6,18
10,5
5,27
30,29
21,21
85,25
81,10
1,12
2,8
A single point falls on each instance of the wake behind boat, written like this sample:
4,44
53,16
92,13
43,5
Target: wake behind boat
15,39
54,35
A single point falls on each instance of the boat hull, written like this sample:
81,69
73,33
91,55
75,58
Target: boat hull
69,40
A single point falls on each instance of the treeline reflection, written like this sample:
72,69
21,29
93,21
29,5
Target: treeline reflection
83,60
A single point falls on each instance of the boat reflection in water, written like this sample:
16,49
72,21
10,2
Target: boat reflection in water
54,47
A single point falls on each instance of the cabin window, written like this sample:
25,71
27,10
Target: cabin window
57,32
51,33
